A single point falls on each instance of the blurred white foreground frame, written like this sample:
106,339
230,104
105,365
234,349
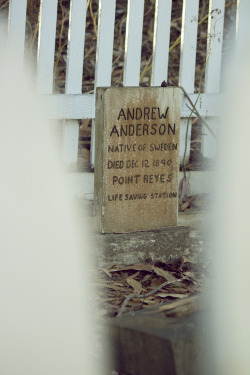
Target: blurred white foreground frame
231,298
45,320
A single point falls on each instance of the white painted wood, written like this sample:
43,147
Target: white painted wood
213,67
46,46
16,26
75,52
81,185
4,15
92,145
73,105
70,143
105,39
74,70
185,132
83,106
214,47
70,106
207,105
104,55
190,14
162,25
133,43
242,23
70,136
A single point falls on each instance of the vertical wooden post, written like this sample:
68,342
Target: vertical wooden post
187,66
162,25
104,55
213,67
16,27
46,46
133,42
74,69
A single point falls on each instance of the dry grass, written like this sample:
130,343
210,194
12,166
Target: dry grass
118,51
119,39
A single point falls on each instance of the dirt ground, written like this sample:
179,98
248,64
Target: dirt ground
124,289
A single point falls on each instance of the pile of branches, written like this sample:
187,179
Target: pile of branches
124,289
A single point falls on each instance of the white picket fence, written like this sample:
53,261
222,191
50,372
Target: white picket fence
74,105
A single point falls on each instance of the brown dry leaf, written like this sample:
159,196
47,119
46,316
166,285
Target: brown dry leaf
190,274
165,295
178,290
146,278
184,206
136,267
149,301
84,128
185,259
187,309
85,154
113,286
106,272
134,275
186,203
167,275
177,263
134,304
110,266
178,303
155,282
136,285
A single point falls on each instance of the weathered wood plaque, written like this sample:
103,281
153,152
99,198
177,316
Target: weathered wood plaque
137,158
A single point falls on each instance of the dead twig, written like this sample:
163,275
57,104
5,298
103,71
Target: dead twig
195,111
130,296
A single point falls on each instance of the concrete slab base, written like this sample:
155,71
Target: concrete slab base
151,343
187,239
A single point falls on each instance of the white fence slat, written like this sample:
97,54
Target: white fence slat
83,106
3,27
71,107
215,40
104,55
207,105
162,25
46,46
74,70
242,22
16,26
213,68
133,43
92,145
105,40
190,14
70,137
75,51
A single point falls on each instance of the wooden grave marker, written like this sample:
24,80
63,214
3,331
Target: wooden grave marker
137,158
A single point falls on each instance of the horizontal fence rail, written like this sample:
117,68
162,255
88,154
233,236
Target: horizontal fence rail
74,105
83,106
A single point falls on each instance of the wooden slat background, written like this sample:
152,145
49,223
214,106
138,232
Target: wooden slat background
74,105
